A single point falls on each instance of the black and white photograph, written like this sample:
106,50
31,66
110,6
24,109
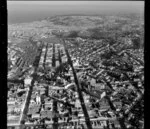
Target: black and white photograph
75,65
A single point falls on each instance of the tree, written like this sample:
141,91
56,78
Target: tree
59,57
53,56
45,56
136,42
71,34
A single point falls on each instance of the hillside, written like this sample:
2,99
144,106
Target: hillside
95,27
76,20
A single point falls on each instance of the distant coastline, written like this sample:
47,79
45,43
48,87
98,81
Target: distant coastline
49,17
28,12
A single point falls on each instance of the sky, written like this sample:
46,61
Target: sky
28,11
